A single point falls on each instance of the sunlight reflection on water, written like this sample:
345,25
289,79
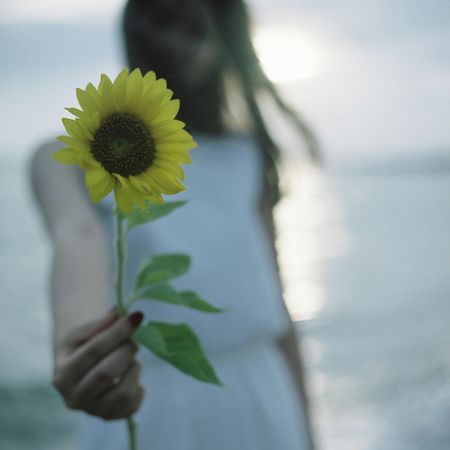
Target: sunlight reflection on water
312,231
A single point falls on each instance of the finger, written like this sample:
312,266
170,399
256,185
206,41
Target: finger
62,378
135,403
122,395
89,354
100,378
85,332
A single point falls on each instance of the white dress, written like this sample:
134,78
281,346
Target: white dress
232,267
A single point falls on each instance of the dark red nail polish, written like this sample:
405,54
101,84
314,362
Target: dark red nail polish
136,318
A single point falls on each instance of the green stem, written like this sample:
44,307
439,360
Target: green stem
121,248
132,428
121,255
131,299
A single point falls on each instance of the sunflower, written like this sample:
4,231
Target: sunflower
126,139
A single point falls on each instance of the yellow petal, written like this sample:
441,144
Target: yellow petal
95,176
175,152
106,92
76,112
86,128
179,157
175,147
149,79
168,111
91,122
92,91
156,90
156,198
138,198
176,137
120,88
152,100
155,101
123,74
101,190
168,94
166,183
89,161
160,84
72,127
165,128
153,187
151,103
86,102
74,142
122,180
122,198
78,129
66,156
171,167
134,89
139,183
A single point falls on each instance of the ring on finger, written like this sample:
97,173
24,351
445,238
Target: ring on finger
116,380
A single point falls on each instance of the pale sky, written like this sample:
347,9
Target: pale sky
370,76
54,10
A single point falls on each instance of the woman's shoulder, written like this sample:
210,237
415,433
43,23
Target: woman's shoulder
59,192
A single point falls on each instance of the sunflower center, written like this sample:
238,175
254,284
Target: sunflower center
120,145
123,145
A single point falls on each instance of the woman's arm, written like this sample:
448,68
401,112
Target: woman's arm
289,342
95,369
81,266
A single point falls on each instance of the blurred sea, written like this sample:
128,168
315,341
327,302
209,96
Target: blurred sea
371,271
365,247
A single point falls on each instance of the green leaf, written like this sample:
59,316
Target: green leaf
139,216
192,300
161,268
164,292
178,345
151,338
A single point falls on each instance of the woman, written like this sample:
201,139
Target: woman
201,47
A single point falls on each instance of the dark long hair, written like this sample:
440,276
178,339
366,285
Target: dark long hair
203,109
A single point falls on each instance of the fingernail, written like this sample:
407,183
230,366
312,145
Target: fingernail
136,318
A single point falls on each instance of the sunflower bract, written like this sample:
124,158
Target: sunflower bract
127,140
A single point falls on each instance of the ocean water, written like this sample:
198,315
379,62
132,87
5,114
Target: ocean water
374,287
31,414
365,249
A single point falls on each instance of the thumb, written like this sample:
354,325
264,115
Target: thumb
87,331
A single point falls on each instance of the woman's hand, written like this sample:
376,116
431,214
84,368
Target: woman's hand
96,370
